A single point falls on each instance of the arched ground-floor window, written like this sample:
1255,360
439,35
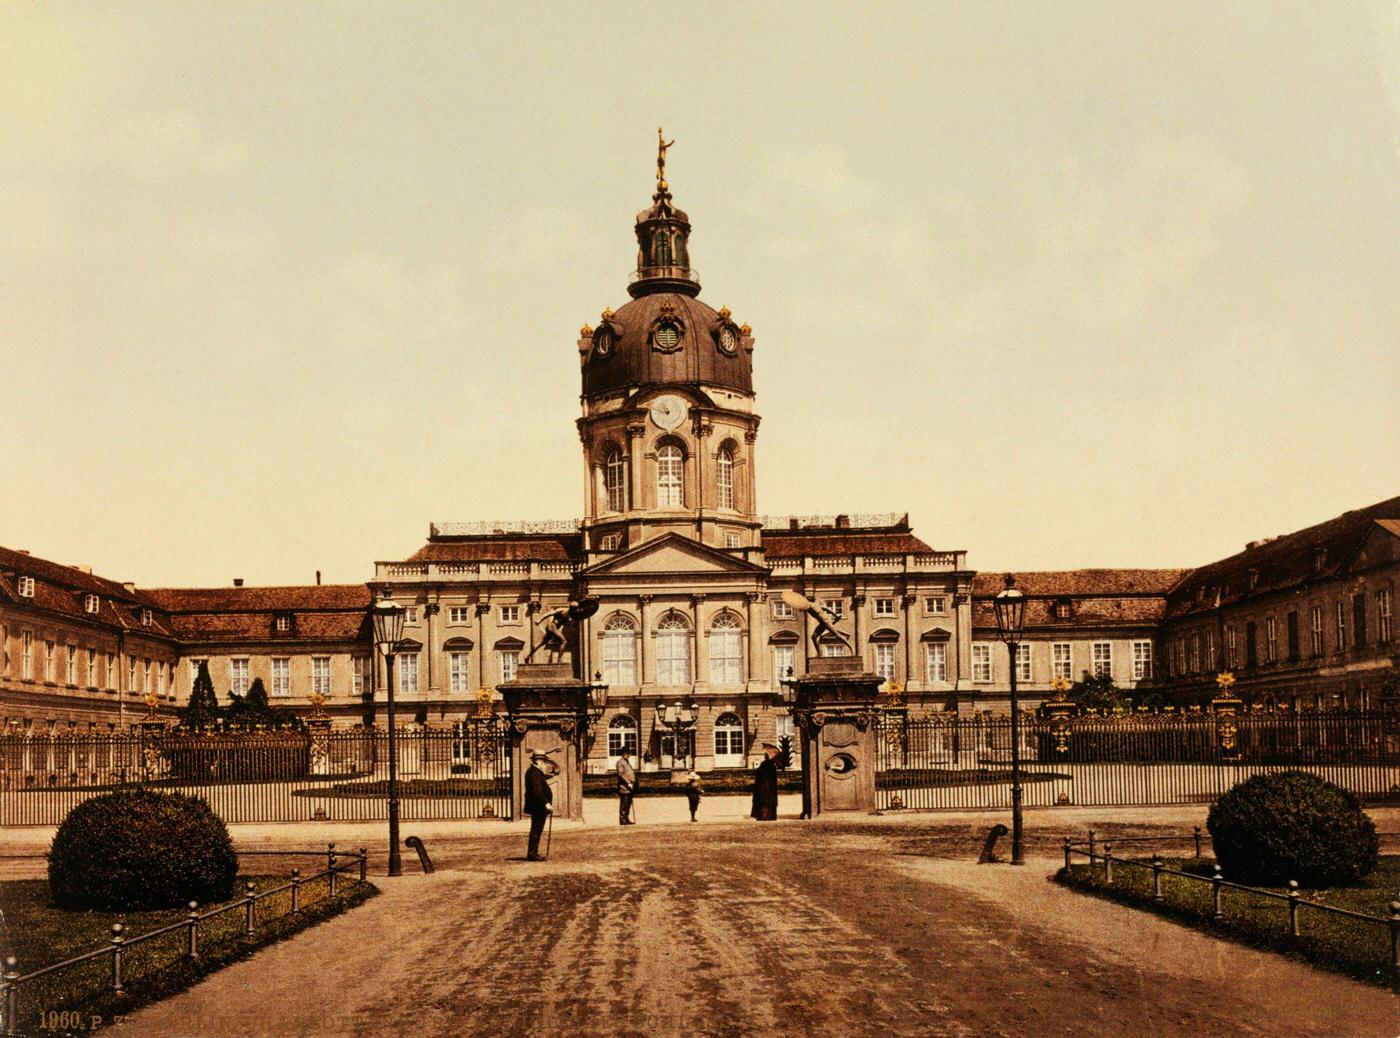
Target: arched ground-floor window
729,741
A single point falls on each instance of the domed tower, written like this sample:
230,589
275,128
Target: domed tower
668,427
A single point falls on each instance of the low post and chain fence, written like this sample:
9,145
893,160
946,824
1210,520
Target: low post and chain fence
1102,856
121,943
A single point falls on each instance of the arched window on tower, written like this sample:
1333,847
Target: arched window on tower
724,476
726,652
661,250
620,651
615,476
672,651
670,477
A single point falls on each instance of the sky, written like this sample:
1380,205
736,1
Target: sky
1073,284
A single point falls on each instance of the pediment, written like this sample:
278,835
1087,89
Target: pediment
673,553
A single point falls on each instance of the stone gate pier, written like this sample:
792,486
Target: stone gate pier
547,707
834,708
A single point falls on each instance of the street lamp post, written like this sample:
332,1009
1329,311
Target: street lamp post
388,632
1010,605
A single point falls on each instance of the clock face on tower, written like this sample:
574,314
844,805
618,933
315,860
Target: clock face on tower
668,412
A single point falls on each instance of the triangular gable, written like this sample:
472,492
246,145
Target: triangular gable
673,553
1380,546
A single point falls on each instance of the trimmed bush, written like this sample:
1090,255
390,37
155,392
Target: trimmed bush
138,849
1292,825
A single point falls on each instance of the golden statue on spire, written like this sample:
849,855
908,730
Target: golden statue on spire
661,145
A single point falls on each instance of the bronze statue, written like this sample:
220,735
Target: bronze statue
823,617
556,624
661,145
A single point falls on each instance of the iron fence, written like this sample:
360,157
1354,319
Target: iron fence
930,762
457,772
186,932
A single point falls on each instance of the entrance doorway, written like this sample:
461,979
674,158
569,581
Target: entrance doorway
677,750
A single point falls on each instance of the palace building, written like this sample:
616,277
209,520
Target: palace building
693,636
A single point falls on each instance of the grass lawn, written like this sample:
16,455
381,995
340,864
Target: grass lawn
38,935
1352,946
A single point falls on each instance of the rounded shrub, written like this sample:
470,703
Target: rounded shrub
1292,825
137,849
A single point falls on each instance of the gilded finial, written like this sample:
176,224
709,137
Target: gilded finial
724,312
585,332
745,330
607,313
661,145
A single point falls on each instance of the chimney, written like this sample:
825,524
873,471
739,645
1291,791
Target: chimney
318,578
843,522
792,523
237,581
129,587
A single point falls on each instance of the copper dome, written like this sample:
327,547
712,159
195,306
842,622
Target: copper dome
668,338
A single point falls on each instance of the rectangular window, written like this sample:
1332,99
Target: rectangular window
785,728
1294,646
1341,645
1315,616
510,614
284,623
830,649
160,678
459,678
145,618
731,539
1251,645
982,662
48,661
194,671
1210,648
459,614
781,610
1060,661
1358,620
610,542
406,671
410,614
783,662
90,603
27,656
1270,640
884,660
359,671
1193,655
836,605
146,677
72,665
238,676
1232,649
321,675
281,678
1142,661
26,587
936,660
92,668
936,604
1023,662
1383,604
510,659
112,671
1103,659
884,607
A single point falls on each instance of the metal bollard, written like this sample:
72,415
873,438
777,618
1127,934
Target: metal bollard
330,861
248,908
296,890
11,975
193,924
1156,877
1091,848
1198,841
1216,888
1293,907
1108,864
330,873
364,863
1394,949
1066,852
117,941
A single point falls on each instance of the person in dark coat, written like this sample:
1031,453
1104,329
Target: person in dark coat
765,786
539,803
626,786
693,792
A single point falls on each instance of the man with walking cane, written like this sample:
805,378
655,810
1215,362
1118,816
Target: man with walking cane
539,803
626,786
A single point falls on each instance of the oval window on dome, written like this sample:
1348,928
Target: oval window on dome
728,340
667,336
